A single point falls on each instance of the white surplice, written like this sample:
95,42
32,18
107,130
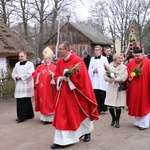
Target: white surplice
143,122
97,79
69,137
24,87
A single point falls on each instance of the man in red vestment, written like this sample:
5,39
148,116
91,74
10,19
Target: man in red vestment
45,88
138,97
75,102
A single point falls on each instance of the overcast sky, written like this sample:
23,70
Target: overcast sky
82,9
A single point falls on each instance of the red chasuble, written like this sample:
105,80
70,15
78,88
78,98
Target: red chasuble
44,90
138,97
73,106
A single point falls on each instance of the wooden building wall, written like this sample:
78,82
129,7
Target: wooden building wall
77,40
78,48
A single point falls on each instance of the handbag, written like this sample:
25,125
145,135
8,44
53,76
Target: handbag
122,86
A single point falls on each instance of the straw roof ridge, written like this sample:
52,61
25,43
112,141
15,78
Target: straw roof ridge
11,43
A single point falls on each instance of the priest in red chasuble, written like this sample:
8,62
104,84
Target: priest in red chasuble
44,87
138,98
75,102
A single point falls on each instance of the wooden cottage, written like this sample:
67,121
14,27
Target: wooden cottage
10,45
80,36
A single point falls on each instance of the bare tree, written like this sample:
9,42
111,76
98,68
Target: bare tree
49,12
141,13
116,18
60,7
22,15
146,38
118,15
5,11
40,13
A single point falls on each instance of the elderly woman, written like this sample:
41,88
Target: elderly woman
116,96
44,87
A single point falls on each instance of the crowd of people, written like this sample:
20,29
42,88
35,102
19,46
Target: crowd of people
72,93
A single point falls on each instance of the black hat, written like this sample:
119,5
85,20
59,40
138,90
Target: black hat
137,49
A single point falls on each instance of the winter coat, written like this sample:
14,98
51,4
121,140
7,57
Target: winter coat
114,97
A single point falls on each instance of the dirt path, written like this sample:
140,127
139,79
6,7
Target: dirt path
33,135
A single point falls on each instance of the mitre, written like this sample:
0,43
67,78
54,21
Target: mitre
47,53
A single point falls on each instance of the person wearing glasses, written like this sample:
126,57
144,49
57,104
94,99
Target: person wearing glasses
24,90
75,103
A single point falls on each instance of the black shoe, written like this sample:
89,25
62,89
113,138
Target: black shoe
113,121
141,128
20,120
46,122
87,137
117,124
55,146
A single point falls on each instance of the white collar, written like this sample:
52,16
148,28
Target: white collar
67,56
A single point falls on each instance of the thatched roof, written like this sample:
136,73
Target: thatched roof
92,34
11,43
